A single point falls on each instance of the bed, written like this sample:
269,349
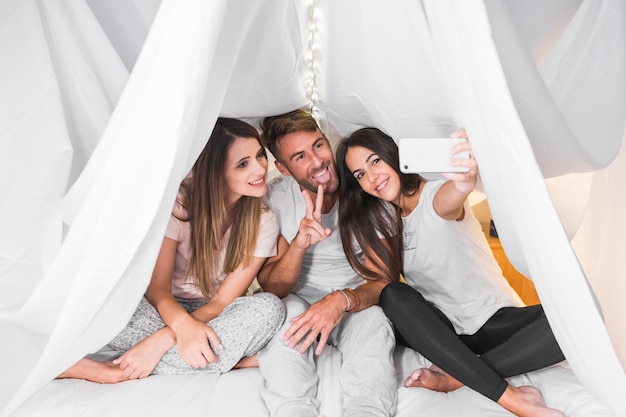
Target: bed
236,394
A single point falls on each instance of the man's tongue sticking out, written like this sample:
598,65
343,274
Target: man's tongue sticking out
322,177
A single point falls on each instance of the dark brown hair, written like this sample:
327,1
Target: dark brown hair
366,220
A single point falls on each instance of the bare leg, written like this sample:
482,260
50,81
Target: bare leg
433,378
527,401
90,370
247,362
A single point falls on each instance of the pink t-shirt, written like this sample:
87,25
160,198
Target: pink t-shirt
182,283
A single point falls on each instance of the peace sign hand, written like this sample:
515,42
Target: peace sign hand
311,230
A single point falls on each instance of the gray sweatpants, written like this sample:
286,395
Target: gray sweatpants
367,376
244,327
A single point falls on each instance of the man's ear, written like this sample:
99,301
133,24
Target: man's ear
282,169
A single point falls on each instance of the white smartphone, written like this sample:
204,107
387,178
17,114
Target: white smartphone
429,155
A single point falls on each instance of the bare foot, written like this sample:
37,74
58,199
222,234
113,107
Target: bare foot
248,362
433,378
90,370
527,401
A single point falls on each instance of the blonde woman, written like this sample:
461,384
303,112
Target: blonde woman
194,316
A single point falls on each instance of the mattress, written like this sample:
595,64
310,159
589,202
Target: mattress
237,394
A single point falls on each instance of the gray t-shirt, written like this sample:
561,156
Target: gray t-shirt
325,267
451,264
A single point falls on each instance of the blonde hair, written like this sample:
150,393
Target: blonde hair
209,218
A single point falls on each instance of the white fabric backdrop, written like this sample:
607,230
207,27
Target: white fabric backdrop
411,68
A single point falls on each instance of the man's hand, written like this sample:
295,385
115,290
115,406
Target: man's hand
319,320
311,230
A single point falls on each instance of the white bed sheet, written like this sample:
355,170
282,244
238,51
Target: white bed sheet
237,394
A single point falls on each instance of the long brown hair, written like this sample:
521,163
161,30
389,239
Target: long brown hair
365,219
209,218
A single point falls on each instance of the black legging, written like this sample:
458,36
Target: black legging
513,341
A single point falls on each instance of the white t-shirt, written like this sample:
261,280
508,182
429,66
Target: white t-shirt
325,266
183,284
451,264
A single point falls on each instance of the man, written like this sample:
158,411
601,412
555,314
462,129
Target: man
327,302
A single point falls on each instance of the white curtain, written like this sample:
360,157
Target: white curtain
410,68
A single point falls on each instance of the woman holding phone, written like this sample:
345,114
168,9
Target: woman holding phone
455,308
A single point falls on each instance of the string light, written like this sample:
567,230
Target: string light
312,55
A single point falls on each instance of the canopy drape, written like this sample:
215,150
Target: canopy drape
98,127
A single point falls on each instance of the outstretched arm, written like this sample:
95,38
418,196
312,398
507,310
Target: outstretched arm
448,202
